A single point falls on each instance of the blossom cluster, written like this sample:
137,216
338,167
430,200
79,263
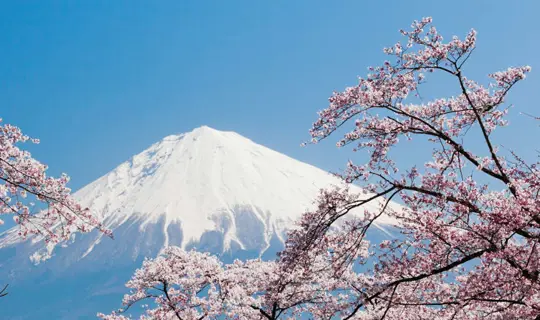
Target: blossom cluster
24,183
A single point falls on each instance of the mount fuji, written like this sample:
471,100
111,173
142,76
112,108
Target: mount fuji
207,189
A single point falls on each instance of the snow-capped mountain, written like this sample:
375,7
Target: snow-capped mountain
206,189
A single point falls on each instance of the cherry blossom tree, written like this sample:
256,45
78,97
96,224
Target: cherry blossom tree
40,205
470,237
22,176
469,226
182,284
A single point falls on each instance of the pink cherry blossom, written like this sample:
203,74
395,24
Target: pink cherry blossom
20,176
470,244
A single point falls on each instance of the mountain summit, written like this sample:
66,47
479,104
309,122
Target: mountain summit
206,189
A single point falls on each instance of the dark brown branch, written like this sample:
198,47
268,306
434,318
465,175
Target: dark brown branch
4,292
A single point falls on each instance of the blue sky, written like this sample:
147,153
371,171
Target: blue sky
99,81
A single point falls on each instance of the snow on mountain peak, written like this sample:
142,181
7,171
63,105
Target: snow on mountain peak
202,186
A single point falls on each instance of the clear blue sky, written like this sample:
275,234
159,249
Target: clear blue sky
99,81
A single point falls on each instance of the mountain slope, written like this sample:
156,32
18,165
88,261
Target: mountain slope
206,189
